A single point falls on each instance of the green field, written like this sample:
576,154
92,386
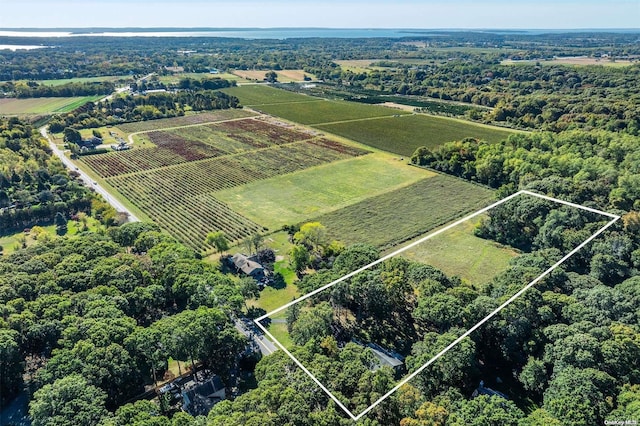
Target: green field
13,106
458,251
292,198
60,82
402,135
397,216
260,94
313,113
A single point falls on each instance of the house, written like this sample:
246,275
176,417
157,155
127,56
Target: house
481,390
248,266
91,143
384,357
199,397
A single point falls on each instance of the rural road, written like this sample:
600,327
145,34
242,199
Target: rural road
246,327
86,178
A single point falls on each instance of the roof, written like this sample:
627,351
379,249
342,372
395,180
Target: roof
246,265
386,359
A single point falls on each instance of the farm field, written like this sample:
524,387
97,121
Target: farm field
13,106
398,216
175,78
60,82
402,135
571,60
284,76
458,252
175,181
185,120
312,113
320,190
261,94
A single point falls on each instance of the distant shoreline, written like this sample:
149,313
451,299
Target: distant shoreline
279,33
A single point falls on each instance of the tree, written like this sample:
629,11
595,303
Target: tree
489,410
68,401
219,240
61,223
534,376
299,258
314,323
271,77
72,136
11,364
580,396
313,235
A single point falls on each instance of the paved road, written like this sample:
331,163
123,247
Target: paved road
86,178
249,329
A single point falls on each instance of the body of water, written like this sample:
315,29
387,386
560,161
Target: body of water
267,33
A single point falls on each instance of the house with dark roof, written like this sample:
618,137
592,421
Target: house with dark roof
199,397
248,266
481,390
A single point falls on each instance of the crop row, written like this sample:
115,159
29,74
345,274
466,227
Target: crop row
182,200
186,120
170,150
226,172
273,133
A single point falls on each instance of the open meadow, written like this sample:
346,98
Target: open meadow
284,76
458,252
14,106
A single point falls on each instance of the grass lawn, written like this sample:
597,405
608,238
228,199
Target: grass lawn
279,331
397,216
271,298
326,111
260,94
296,197
459,252
13,106
402,135
13,241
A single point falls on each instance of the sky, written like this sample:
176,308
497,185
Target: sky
505,14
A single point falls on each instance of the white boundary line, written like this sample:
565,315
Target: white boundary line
613,217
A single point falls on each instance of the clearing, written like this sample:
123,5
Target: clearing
458,252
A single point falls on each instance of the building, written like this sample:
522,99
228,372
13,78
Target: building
199,397
248,266
481,390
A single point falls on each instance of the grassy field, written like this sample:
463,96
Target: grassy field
402,135
313,113
13,106
292,198
271,298
458,252
60,82
175,78
279,331
571,60
185,120
397,216
284,76
262,94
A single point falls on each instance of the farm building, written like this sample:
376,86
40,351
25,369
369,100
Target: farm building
248,266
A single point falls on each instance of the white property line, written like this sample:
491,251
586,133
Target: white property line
613,217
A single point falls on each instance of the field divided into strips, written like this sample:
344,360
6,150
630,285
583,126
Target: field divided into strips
591,218
13,106
175,180
182,145
295,198
185,120
388,129
404,134
394,217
